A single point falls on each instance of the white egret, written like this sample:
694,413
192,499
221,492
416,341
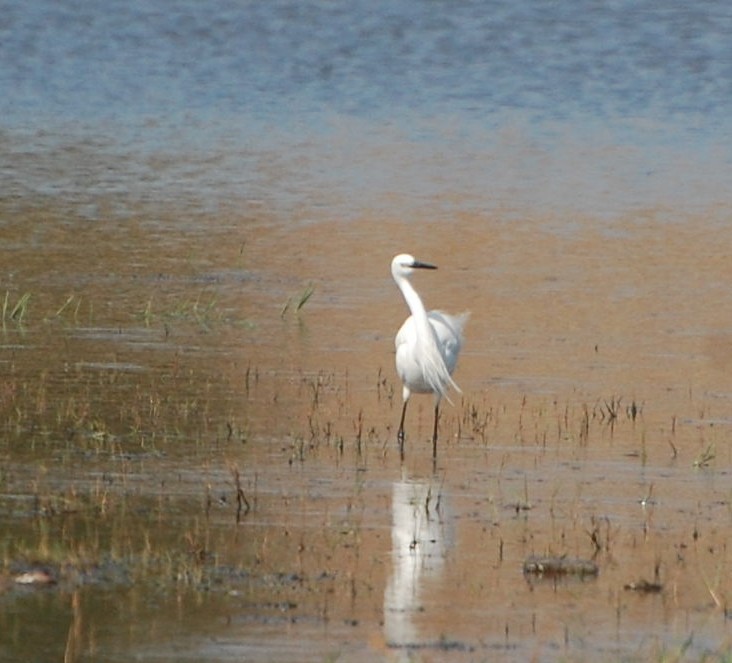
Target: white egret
427,345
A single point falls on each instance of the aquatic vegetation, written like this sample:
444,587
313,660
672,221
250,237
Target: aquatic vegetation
298,301
204,312
15,313
73,305
705,457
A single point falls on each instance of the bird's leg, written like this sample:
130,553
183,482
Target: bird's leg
400,433
434,432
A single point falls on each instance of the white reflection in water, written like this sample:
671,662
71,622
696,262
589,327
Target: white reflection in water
421,536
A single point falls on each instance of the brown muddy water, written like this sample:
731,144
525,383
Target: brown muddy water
199,460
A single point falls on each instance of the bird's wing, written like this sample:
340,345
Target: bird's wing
433,352
419,360
448,334
439,354
448,331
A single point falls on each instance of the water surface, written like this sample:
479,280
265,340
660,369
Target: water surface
179,438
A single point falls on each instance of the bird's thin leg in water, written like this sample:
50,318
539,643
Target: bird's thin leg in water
400,434
434,432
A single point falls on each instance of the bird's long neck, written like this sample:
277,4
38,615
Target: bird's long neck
413,301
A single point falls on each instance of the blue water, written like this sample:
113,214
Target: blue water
328,108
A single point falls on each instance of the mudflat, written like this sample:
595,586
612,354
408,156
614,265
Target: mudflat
199,424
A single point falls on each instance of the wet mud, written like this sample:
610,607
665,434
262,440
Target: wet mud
199,425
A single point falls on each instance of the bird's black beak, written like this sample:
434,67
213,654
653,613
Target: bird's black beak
422,265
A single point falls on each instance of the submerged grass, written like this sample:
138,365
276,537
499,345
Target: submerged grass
298,301
15,313
204,311
72,308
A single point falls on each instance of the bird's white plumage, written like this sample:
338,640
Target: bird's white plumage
427,344
425,360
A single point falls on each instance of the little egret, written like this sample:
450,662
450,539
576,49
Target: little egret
427,346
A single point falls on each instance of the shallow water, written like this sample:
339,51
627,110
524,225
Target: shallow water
308,110
127,414
181,440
